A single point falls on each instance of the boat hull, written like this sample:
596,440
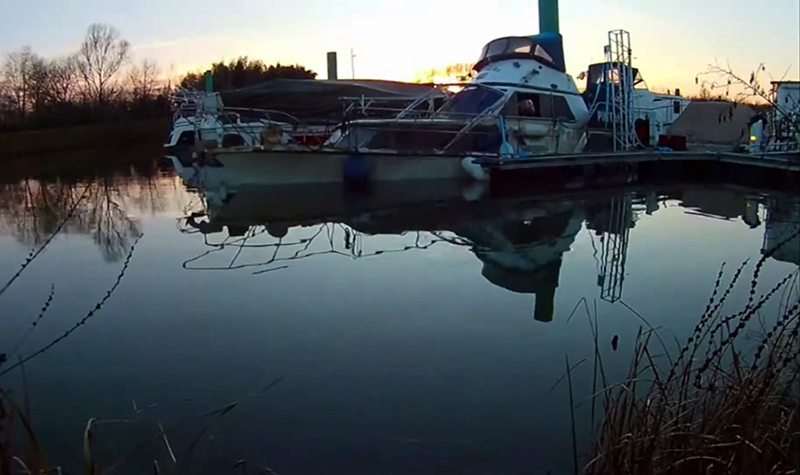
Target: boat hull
291,168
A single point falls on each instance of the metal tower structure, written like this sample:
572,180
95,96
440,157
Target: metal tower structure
619,90
614,248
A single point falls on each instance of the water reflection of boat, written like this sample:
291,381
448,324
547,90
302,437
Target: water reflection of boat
521,242
782,231
524,255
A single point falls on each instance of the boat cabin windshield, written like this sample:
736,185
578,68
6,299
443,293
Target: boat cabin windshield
471,100
546,48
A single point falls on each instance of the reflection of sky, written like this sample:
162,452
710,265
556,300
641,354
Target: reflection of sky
405,360
672,43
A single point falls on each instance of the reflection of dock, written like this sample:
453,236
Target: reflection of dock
781,217
782,231
647,168
716,203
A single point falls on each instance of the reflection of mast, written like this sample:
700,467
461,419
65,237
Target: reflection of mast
541,282
614,229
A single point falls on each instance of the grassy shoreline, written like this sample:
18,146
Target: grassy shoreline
111,136
722,406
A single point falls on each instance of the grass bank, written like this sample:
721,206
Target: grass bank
111,136
83,163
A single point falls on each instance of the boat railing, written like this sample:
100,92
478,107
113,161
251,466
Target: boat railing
389,115
452,124
493,111
386,107
414,105
445,134
266,253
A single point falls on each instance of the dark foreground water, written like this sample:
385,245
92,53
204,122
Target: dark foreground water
410,337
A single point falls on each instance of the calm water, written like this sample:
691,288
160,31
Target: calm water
412,337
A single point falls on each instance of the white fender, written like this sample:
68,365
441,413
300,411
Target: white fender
473,169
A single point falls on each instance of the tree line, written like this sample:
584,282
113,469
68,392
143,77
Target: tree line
99,83
243,72
85,86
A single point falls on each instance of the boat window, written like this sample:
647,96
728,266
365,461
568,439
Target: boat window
505,46
484,51
497,47
472,100
228,118
544,50
519,45
186,138
543,105
541,53
676,107
561,108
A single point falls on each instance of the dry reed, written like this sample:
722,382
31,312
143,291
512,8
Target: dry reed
718,408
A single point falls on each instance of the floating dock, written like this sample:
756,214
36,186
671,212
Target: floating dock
775,170
789,161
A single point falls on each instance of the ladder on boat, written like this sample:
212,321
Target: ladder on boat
619,90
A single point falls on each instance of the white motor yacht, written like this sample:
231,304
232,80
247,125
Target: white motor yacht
201,117
652,113
521,102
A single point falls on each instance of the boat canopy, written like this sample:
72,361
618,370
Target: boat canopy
321,100
600,73
547,48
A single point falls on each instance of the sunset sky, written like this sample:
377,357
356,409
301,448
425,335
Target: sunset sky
672,41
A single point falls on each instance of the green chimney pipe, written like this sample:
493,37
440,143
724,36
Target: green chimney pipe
209,81
548,16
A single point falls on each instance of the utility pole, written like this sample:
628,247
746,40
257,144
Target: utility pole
353,62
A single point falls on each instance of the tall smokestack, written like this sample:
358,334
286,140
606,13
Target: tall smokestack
548,16
333,67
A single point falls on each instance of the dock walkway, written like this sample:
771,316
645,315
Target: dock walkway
789,161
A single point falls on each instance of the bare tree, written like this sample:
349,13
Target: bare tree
39,77
143,80
171,79
62,86
17,76
753,88
7,111
102,54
